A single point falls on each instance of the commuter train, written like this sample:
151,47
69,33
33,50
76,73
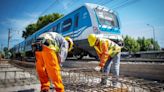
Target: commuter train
87,19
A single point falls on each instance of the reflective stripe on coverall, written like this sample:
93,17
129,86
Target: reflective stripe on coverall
106,49
47,66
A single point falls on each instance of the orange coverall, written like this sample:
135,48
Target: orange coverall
47,66
48,59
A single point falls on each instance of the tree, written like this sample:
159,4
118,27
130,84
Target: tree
5,49
41,22
131,45
141,44
1,55
30,29
6,52
147,44
155,44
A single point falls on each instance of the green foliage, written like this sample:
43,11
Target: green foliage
41,22
1,54
131,44
156,45
148,44
30,29
5,49
6,52
141,44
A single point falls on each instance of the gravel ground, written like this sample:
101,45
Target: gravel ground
77,77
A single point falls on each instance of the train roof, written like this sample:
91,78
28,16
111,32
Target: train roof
100,7
93,6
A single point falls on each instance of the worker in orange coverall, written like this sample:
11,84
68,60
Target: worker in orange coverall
108,52
50,50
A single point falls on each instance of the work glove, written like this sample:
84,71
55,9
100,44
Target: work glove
97,68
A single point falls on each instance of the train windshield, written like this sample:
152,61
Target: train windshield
106,18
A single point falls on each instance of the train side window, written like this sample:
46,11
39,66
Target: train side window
31,41
35,38
67,25
76,20
27,43
56,28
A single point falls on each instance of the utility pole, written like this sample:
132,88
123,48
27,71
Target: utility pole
1,47
9,37
153,34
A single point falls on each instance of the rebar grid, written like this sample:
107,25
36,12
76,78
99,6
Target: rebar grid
88,80
78,80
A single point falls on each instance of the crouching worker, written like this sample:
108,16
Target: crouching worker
109,53
50,50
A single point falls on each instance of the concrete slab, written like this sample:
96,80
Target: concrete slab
25,88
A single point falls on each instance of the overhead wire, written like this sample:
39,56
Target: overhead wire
104,3
70,3
101,2
47,9
119,3
125,4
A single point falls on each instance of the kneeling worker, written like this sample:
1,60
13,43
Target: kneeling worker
108,52
50,50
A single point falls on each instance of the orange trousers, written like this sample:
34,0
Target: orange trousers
48,68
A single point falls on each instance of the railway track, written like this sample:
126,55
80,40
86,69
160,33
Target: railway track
133,60
142,60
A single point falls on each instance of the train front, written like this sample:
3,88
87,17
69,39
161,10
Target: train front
105,24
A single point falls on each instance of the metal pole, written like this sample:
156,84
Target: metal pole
9,37
153,34
1,47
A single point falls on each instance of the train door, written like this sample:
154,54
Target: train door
77,52
76,23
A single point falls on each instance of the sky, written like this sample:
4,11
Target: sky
134,16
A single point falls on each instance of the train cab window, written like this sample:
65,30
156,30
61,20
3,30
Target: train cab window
107,18
67,25
76,18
